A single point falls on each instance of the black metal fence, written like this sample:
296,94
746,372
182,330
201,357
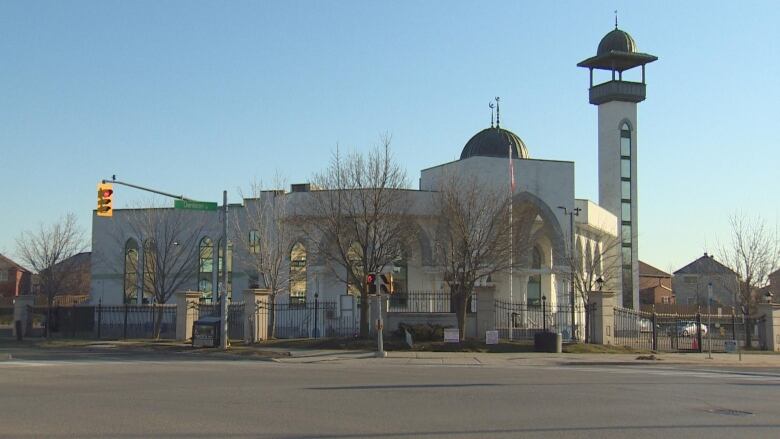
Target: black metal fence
677,332
311,320
6,321
520,321
131,321
427,302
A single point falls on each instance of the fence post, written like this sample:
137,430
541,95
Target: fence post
186,313
698,332
603,316
655,330
124,326
100,317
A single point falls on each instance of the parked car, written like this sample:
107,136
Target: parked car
645,325
688,329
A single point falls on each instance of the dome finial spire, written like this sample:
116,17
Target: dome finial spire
490,104
498,112
615,18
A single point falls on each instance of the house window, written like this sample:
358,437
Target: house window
3,276
298,274
131,271
254,242
206,269
535,280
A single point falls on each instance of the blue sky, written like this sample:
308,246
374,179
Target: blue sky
196,97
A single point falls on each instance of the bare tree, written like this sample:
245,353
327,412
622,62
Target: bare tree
473,236
265,237
170,251
753,253
358,218
600,260
47,251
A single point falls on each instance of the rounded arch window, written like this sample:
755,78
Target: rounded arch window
206,268
298,282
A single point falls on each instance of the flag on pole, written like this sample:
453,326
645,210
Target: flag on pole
511,170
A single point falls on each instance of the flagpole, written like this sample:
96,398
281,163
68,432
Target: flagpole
511,243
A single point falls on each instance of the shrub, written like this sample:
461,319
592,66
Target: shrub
422,332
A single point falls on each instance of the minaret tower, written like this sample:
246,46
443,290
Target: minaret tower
616,100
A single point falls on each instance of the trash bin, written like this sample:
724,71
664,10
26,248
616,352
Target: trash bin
205,332
548,342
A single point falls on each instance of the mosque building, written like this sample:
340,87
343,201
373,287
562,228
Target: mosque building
564,223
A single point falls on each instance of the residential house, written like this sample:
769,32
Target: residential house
691,283
655,286
14,279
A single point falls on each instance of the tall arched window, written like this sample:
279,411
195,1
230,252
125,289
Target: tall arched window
298,274
206,269
221,264
131,272
150,270
535,280
625,214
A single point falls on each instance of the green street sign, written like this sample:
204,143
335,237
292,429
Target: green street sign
194,205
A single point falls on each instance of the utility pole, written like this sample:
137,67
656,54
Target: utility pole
572,303
224,296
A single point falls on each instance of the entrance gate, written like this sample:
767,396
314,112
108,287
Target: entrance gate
676,332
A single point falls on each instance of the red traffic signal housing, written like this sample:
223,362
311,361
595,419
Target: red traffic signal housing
105,193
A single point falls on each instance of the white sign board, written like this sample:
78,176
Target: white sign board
451,336
730,345
491,337
409,340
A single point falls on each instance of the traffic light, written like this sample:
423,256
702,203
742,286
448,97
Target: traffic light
105,199
386,283
371,283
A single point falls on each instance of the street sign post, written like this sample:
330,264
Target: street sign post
194,205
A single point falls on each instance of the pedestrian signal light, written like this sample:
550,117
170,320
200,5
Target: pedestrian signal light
105,200
386,283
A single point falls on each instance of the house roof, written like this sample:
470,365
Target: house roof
7,261
648,270
705,265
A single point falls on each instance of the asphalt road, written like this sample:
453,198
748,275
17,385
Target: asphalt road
140,395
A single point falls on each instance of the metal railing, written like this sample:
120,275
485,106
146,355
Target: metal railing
427,302
520,321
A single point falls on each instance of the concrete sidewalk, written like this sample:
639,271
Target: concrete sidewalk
763,360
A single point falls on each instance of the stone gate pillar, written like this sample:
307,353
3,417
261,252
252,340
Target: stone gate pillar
186,313
486,311
257,303
771,313
20,312
603,316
